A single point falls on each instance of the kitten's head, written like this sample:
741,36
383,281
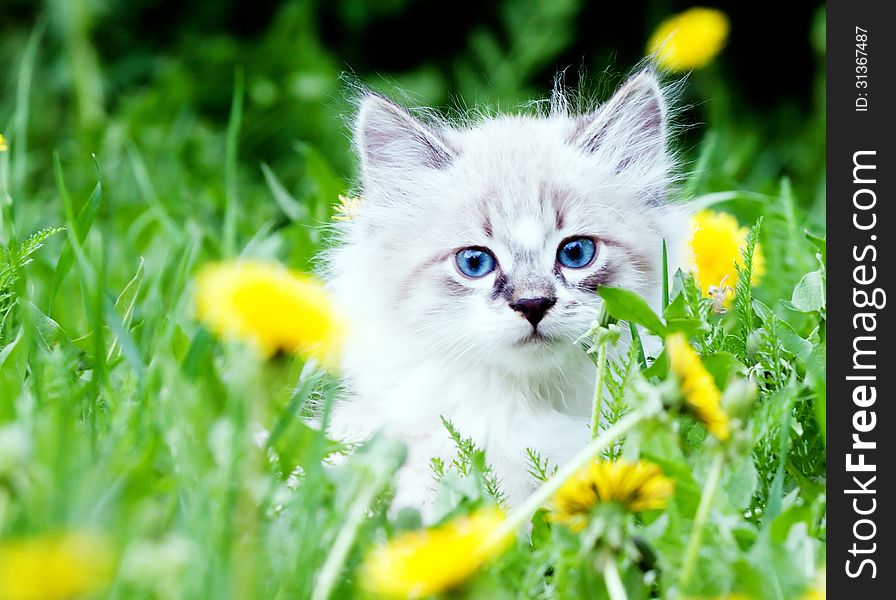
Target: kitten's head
486,242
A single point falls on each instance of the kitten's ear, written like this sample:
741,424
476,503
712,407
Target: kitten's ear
388,137
630,127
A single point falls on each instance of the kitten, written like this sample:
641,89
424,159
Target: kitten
469,271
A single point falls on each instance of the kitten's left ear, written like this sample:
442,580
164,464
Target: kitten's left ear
630,127
388,137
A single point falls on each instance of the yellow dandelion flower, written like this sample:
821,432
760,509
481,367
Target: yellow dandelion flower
55,567
702,398
421,563
689,40
634,486
716,242
347,208
270,307
3,145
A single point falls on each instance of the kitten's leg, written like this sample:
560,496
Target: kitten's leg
556,436
416,483
415,488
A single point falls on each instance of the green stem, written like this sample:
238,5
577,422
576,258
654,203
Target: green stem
5,502
231,193
5,199
598,389
329,573
524,511
636,339
665,297
696,538
614,583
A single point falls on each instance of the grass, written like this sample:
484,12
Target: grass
120,414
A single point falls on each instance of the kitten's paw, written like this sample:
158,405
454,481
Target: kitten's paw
415,489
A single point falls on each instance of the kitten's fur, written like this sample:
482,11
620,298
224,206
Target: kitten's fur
426,341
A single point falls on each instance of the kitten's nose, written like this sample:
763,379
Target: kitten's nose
533,308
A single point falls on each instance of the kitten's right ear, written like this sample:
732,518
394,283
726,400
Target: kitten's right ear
630,128
388,137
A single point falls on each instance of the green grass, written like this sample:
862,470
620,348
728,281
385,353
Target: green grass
137,423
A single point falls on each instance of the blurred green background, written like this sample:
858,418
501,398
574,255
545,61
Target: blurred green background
156,66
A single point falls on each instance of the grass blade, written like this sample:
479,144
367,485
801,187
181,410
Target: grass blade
231,206
665,297
78,229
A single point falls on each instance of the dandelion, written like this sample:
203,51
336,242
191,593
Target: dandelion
689,40
55,567
270,307
716,242
347,209
702,397
422,563
635,487
3,145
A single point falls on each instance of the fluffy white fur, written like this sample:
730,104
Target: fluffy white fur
426,341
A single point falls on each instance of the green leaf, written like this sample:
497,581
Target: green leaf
740,482
776,566
123,339
820,243
78,230
125,304
792,342
677,309
13,258
6,351
685,287
689,327
292,208
198,353
765,313
659,368
816,367
680,283
783,523
722,366
541,528
808,296
629,306
48,330
292,445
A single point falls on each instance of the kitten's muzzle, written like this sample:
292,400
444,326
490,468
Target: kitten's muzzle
533,309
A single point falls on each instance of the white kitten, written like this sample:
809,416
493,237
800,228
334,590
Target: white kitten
470,267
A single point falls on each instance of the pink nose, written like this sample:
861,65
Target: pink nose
533,309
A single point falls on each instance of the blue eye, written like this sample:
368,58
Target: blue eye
475,262
576,253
